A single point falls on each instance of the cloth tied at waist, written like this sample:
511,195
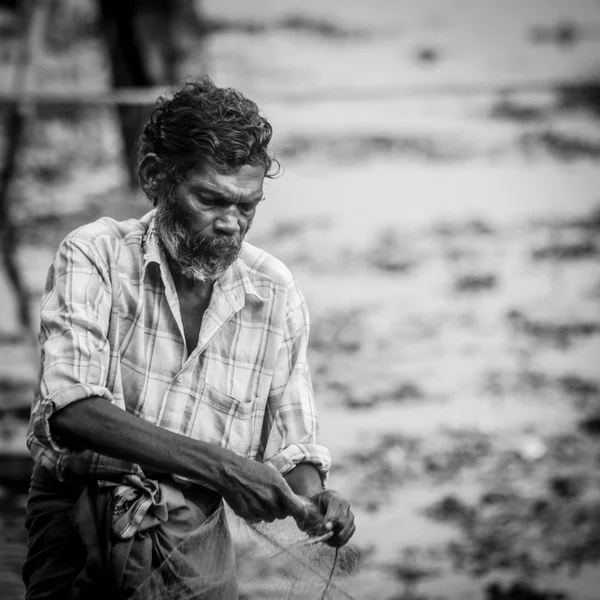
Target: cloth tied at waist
139,504
154,541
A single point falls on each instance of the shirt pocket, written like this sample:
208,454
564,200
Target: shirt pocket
229,422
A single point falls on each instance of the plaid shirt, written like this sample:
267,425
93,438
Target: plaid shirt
111,327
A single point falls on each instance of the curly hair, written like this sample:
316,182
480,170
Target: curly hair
201,123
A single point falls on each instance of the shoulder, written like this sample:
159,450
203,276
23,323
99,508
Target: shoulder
108,229
107,237
267,274
263,267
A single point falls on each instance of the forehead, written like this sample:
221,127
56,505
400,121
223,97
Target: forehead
248,181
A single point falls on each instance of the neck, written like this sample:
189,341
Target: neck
191,286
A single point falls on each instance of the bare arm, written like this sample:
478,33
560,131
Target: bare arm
253,490
305,480
335,513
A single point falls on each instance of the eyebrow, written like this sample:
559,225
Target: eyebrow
212,193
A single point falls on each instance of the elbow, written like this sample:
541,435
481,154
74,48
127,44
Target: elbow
60,426
58,423
65,426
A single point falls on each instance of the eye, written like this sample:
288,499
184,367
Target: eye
207,201
247,207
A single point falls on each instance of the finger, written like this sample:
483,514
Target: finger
343,528
346,533
338,540
273,511
248,509
313,525
336,511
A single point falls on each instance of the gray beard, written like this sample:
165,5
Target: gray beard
196,258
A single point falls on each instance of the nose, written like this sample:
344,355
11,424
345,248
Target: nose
228,222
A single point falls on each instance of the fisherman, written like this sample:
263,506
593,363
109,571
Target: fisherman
174,373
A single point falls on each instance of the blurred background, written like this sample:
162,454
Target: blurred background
440,209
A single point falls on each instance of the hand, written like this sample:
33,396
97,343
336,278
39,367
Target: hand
257,492
336,517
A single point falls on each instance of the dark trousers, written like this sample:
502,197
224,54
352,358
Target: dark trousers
56,555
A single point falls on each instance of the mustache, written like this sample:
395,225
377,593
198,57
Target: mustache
214,244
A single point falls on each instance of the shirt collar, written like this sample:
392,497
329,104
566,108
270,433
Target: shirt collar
151,250
235,282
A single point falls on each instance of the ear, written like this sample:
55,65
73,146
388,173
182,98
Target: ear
151,176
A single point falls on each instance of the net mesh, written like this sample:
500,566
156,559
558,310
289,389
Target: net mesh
273,561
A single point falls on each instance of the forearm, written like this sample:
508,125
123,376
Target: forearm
304,480
252,489
98,425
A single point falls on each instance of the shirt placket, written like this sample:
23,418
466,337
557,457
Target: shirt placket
222,307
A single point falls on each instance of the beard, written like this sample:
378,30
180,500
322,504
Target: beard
199,257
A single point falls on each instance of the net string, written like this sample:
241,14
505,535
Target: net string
330,584
330,578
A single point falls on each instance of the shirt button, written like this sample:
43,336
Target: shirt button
180,379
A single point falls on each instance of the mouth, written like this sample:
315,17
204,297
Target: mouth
218,246
221,249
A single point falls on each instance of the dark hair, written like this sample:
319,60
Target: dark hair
201,123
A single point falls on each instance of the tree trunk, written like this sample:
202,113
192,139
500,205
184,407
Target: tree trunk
146,42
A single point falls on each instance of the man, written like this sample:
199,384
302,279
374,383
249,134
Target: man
174,372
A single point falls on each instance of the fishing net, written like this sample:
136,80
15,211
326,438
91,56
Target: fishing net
270,561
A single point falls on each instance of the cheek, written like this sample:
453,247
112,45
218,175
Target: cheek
248,218
245,223
200,220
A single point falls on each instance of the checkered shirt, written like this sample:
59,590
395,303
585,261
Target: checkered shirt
111,327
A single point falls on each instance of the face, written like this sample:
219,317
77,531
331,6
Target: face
204,220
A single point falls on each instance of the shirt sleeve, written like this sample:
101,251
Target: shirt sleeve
291,438
75,313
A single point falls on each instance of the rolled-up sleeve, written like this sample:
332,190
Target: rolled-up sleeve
75,313
292,437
